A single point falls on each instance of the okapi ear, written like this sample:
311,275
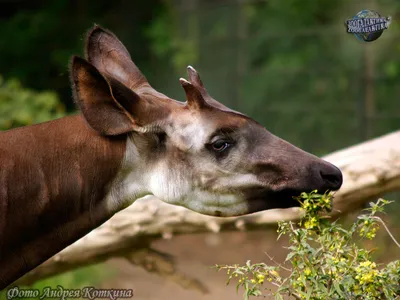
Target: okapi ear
106,52
194,97
107,106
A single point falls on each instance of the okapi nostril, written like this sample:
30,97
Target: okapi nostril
332,177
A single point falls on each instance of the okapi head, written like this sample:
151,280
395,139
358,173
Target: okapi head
198,154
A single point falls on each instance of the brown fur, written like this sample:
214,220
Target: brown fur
53,179
61,179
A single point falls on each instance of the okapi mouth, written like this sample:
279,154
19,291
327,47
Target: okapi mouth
266,199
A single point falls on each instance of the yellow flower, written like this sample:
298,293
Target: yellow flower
370,235
365,263
274,273
260,278
368,277
307,271
311,223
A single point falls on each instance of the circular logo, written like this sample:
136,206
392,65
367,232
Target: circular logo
367,25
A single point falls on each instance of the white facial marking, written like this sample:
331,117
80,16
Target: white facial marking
168,184
229,181
177,190
206,189
191,136
130,183
174,187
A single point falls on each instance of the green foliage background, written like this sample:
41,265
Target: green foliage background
285,63
289,64
33,107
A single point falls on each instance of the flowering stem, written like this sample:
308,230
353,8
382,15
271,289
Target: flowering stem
387,230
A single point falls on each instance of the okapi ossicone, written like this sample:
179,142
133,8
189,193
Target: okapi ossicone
61,179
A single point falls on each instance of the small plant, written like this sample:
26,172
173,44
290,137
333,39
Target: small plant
325,259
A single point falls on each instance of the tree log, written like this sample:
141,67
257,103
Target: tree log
370,169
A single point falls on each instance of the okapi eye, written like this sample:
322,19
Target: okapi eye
221,145
161,137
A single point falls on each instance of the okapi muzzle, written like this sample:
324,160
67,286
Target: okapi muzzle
286,171
63,178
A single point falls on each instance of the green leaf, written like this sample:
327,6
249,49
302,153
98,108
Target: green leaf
338,289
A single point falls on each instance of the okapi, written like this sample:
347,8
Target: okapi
61,179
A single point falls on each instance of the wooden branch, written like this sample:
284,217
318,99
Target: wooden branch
370,169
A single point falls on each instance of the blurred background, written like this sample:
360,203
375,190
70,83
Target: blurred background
288,64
